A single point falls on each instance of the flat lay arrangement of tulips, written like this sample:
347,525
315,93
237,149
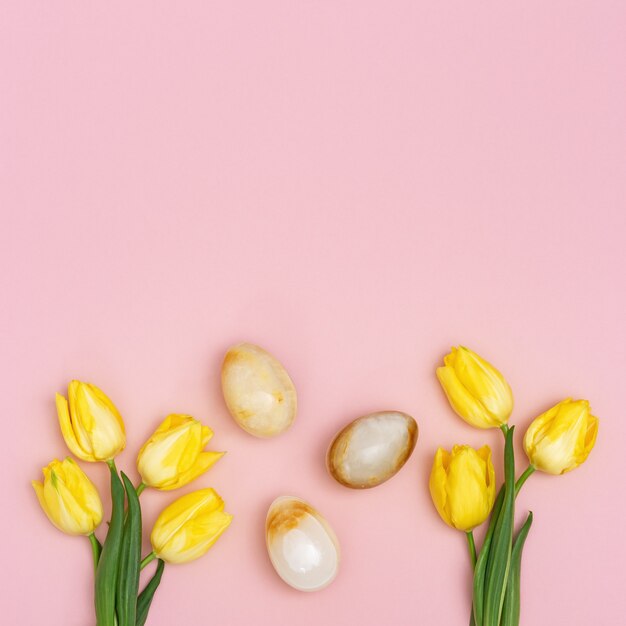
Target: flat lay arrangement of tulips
463,486
301,544
172,457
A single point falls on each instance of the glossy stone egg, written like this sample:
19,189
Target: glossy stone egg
372,449
301,544
258,392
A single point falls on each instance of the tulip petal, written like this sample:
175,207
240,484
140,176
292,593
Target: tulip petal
476,390
462,401
170,422
469,497
185,547
82,422
462,486
173,456
68,498
485,383
204,461
590,436
207,435
73,518
61,506
83,490
560,439
67,430
189,526
168,452
188,449
100,420
105,402
38,487
175,450
437,485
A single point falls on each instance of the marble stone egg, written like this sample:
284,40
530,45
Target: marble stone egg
258,392
371,449
301,544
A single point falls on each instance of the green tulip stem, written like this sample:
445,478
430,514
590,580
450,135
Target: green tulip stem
505,429
524,477
472,546
96,550
140,487
147,559
111,464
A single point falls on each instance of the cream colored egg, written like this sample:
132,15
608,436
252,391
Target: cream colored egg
371,449
301,545
258,392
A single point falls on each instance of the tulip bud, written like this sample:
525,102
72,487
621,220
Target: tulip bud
91,425
189,526
69,498
561,439
174,455
463,486
475,389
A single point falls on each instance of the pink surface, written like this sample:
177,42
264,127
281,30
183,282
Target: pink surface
355,186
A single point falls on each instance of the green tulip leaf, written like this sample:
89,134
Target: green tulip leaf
481,562
511,609
106,572
130,555
145,597
499,558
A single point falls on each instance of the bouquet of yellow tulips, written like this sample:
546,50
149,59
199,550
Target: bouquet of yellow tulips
462,482
173,456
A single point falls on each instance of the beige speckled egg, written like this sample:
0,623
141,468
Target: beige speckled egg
258,392
372,449
301,544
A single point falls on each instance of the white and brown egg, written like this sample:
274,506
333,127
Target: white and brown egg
371,449
301,544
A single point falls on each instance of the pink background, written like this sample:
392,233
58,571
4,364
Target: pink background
355,186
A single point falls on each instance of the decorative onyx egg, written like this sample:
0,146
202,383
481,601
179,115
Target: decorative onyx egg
259,393
372,449
301,544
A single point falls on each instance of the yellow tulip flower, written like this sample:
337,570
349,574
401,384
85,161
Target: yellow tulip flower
69,498
91,425
463,486
561,439
174,455
476,390
189,526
